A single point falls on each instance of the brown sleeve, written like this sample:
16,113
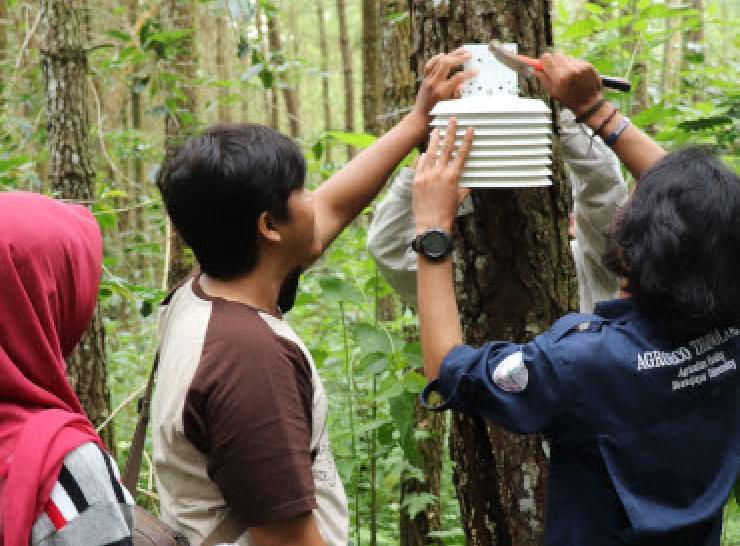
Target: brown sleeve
248,410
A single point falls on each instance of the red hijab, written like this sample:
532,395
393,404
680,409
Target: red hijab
50,265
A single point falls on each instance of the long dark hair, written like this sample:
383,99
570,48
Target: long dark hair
677,243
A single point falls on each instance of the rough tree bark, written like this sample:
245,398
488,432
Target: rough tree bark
514,276
324,52
635,45
72,176
371,65
397,78
349,84
270,96
179,123
290,98
397,95
222,67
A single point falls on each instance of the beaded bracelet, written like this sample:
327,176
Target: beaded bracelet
591,111
603,124
612,138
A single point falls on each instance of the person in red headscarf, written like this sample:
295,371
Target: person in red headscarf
58,484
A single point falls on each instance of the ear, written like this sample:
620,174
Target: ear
267,229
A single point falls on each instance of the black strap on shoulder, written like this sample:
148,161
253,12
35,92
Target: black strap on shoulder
133,463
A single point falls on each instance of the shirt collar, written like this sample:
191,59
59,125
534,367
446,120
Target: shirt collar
621,308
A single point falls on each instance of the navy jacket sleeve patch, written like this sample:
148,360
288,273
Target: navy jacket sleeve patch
511,384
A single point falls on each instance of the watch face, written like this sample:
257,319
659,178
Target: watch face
434,244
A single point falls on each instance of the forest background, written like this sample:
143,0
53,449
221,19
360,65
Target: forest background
93,94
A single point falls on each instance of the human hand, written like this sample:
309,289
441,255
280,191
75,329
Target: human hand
436,193
575,83
437,84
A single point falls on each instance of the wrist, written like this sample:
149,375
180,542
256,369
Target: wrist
418,122
582,108
422,226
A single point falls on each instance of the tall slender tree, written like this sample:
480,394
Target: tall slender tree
349,84
222,67
397,96
72,175
515,277
324,67
270,95
180,120
371,65
290,97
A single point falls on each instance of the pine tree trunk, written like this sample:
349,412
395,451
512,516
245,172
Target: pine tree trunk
349,86
3,35
270,97
398,81
222,69
289,95
515,277
634,44
178,124
397,95
137,165
371,65
324,64
72,176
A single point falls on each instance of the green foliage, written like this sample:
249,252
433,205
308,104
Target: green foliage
369,366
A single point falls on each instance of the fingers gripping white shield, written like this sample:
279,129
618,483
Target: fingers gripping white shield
511,147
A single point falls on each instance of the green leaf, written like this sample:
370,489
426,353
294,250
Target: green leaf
372,363
119,35
371,339
414,503
339,289
266,77
146,308
414,382
402,409
579,29
702,124
317,150
358,140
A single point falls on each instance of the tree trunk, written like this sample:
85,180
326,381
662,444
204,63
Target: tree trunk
222,69
3,34
397,95
349,86
289,95
635,46
179,123
693,52
415,532
324,52
515,278
270,96
72,176
398,83
371,65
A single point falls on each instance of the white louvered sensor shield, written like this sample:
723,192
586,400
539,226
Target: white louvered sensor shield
511,147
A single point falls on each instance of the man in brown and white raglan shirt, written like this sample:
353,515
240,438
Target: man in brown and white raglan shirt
239,415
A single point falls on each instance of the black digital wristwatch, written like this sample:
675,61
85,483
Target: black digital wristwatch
434,244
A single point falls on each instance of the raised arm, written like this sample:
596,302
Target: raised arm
577,86
598,190
389,236
436,196
341,198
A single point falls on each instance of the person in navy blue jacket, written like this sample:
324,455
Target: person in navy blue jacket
638,399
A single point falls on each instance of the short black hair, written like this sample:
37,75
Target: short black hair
677,242
217,184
